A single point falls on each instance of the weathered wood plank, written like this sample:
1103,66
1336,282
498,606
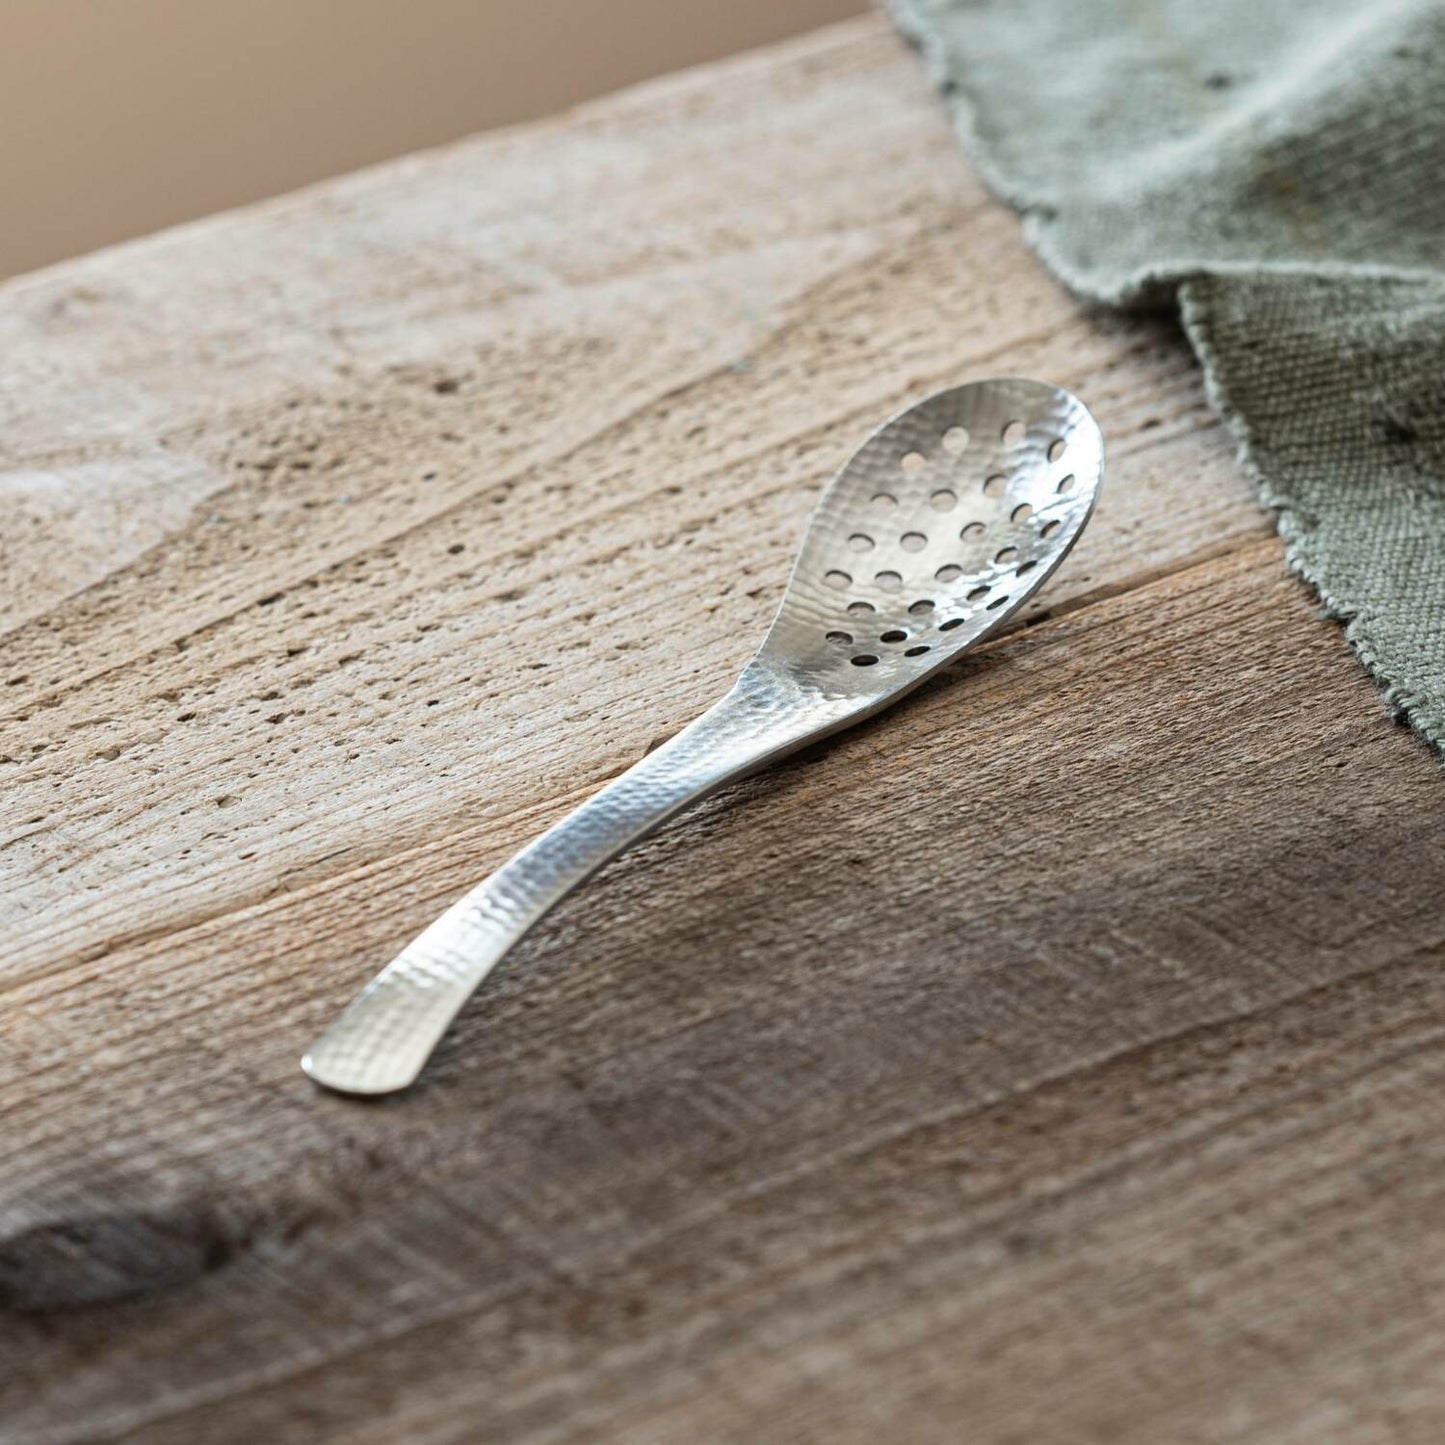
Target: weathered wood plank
1049,1060
604,452
999,1073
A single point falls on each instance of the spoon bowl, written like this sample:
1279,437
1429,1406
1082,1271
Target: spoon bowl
935,532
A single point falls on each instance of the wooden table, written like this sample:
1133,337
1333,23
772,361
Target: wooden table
1056,1059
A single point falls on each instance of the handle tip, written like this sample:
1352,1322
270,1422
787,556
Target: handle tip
385,1035
343,1070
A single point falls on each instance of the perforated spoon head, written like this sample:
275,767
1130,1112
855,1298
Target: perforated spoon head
937,531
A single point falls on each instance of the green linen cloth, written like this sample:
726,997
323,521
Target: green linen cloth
1278,166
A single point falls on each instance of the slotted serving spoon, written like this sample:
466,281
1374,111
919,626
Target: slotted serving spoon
938,529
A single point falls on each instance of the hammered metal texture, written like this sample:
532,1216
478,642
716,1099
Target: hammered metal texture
937,530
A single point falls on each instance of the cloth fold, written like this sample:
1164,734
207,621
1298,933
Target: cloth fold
1279,170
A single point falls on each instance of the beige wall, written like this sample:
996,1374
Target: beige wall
121,116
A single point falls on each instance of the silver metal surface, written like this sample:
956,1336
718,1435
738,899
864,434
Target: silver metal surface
936,531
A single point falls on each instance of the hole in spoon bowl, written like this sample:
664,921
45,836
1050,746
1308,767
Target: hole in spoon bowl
864,659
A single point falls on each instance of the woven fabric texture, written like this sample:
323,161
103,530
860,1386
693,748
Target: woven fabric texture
1278,169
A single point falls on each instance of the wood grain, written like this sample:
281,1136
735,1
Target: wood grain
1053,1059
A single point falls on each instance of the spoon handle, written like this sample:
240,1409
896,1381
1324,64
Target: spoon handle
381,1041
